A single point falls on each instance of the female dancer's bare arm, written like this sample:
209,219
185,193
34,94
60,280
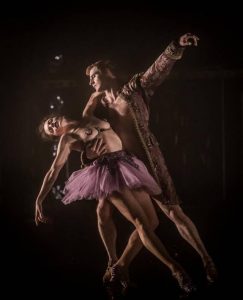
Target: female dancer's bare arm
63,151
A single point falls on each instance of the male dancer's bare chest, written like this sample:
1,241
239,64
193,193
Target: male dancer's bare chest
117,106
119,116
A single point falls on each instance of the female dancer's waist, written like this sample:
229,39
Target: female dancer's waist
111,158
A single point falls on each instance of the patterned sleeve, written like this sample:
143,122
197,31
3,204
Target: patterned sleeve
157,72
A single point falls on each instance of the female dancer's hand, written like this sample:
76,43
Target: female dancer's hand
39,217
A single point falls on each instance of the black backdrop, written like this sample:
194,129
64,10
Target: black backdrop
196,115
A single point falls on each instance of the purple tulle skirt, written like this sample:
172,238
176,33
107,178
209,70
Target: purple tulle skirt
108,174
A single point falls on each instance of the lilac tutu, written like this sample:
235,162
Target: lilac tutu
110,173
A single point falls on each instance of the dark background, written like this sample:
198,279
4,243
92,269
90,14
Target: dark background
196,115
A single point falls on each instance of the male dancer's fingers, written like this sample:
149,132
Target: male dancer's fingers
192,40
188,39
96,149
101,147
103,150
91,150
98,146
95,144
195,40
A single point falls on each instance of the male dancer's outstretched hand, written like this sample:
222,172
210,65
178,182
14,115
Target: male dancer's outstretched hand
188,39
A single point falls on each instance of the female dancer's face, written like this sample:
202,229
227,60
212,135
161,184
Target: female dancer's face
53,126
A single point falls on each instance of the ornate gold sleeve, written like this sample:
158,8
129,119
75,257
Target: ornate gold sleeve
174,51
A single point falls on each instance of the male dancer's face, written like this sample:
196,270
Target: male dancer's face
96,79
99,80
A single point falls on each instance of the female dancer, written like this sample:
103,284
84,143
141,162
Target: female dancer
116,176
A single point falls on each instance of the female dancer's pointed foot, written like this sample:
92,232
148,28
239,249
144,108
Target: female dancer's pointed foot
120,274
211,271
119,283
184,282
107,275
